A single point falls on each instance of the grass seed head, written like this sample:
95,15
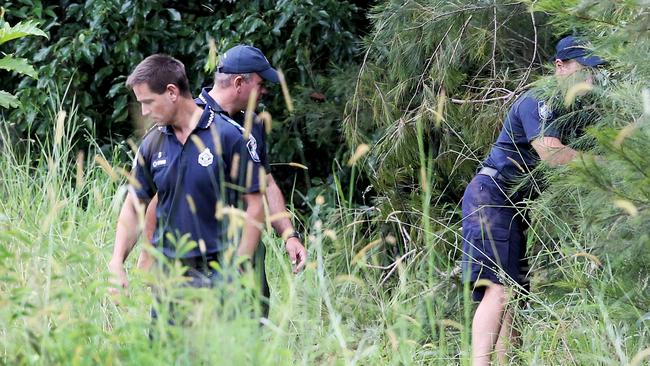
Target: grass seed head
60,127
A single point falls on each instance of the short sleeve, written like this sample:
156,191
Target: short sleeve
143,183
250,166
262,150
241,160
536,119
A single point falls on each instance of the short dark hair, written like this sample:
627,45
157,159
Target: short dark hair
158,71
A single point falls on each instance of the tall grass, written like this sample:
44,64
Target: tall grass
349,307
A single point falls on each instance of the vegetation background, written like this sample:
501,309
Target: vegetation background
395,105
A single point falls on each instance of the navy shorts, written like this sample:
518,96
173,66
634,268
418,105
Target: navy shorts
494,243
201,275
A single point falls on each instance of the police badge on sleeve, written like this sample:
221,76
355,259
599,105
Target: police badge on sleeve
252,149
545,113
206,157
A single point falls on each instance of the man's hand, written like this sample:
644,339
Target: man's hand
118,278
297,254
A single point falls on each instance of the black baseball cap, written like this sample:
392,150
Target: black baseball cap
243,59
572,48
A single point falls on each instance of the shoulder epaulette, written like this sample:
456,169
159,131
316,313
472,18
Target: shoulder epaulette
155,139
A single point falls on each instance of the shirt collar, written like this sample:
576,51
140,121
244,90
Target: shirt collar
207,117
205,99
166,129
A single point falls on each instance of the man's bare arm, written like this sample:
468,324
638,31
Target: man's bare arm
283,226
552,151
126,236
145,260
254,217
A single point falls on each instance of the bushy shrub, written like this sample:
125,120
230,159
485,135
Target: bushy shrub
93,46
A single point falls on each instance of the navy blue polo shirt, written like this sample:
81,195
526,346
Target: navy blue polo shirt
528,119
214,165
257,130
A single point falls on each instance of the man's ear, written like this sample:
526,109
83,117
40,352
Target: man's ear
237,82
173,92
559,67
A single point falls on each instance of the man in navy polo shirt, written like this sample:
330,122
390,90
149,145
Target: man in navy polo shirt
239,66
194,160
242,69
493,226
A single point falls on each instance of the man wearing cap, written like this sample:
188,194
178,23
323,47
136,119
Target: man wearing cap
194,161
242,71
493,226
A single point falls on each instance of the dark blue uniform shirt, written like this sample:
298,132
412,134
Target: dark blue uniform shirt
257,131
528,119
213,166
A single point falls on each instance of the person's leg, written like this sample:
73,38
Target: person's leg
487,324
507,337
477,200
488,234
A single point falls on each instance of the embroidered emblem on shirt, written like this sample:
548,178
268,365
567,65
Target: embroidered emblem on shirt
252,149
206,157
159,161
545,113
251,144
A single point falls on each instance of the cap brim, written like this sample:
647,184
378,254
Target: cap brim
590,61
270,75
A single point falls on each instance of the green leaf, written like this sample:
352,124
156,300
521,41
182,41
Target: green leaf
125,7
22,29
254,24
644,318
120,111
116,88
103,73
19,65
174,14
49,12
281,22
8,100
323,14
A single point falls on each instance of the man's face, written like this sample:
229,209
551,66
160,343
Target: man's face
158,107
572,67
256,83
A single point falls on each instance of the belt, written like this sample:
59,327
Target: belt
491,172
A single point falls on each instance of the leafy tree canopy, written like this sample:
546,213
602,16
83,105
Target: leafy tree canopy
93,45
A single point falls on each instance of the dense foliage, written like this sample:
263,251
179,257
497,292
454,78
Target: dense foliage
436,82
10,63
93,46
